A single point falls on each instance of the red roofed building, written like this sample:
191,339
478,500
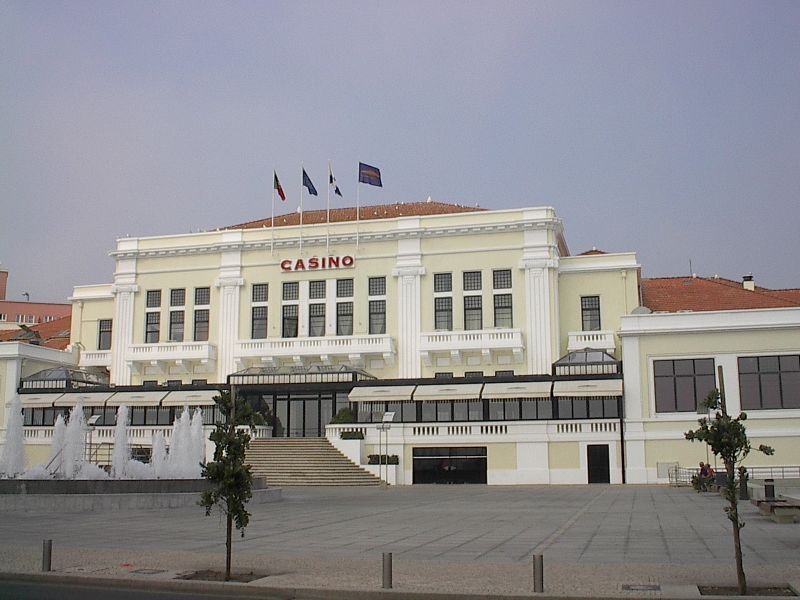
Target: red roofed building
675,294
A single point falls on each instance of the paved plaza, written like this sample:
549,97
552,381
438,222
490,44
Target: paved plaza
594,539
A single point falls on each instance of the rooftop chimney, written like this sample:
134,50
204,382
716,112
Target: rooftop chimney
3,282
748,283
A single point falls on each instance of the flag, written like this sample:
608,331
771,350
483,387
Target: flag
332,181
369,174
276,185
307,183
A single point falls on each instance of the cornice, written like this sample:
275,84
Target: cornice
321,241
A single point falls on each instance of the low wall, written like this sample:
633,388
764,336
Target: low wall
108,486
39,495
66,503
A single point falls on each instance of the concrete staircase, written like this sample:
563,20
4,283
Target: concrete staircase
304,461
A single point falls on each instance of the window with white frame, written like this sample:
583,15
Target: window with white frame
769,382
316,319
344,318
503,311
473,312
104,334
590,313
682,385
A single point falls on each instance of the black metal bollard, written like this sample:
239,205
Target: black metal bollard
47,554
387,570
538,572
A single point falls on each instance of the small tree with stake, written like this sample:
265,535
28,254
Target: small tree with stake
727,439
230,477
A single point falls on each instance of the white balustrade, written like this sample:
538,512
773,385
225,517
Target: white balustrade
101,358
481,339
315,346
596,340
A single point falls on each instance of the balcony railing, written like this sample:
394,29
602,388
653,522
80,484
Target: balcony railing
324,348
172,351
484,341
101,358
596,340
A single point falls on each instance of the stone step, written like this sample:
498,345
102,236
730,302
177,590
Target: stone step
304,461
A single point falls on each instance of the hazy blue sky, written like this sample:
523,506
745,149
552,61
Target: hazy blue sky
671,129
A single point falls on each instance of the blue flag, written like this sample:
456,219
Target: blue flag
369,174
307,183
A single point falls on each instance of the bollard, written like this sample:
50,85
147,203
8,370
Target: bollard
387,570
769,489
47,554
538,572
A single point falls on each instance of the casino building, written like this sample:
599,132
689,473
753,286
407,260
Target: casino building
503,358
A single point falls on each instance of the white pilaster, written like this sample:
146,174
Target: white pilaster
229,283
408,271
122,336
124,290
539,315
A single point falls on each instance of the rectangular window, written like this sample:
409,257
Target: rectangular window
502,311
768,382
377,316
153,298
442,282
177,297
472,281
291,290
505,373
289,324
258,326
316,320
260,292
501,279
176,326
443,375
344,288
590,313
473,374
202,296
344,318
377,286
201,325
152,326
682,385
473,312
104,334
443,314
316,290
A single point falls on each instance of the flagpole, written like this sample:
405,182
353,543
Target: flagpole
302,170
328,218
358,202
272,218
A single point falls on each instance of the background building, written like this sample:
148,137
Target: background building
500,354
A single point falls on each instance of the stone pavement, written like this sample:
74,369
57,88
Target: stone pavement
457,539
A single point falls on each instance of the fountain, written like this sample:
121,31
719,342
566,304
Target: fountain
71,482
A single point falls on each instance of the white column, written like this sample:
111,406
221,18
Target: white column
539,315
408,271
229,283
122,336
227,324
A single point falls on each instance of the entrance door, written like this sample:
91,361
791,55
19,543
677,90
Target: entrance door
597,463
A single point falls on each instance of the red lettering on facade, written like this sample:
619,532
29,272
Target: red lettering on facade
317,263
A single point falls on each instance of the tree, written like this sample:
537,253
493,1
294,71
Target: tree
727,439
230,477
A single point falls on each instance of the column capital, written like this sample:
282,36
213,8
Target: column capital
229,282
408,271
124,288
538,263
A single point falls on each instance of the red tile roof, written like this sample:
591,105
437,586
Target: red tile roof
366,213
54,334
592,252
671,294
